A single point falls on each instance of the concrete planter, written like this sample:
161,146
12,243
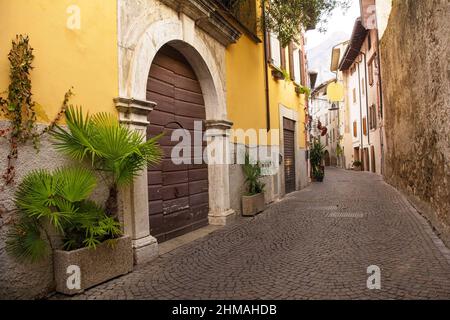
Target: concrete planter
252,205
95,266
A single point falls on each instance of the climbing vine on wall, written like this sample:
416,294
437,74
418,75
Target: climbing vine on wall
19,108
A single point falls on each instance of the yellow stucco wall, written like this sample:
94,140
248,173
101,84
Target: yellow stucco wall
283,92
246,100
85,59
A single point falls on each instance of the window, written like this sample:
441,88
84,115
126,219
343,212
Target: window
327,139
363,86
369,39
275,51
354,95
355,129
365,126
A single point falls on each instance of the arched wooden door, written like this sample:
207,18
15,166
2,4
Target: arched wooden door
178,194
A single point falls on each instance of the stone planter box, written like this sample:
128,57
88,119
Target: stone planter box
252,205
95,266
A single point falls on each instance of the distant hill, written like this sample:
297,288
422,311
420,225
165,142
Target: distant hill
319,57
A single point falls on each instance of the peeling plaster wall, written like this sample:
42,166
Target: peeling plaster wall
24,280
18,280
415,52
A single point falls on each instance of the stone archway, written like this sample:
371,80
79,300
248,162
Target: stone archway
208,62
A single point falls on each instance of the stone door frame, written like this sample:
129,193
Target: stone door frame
290,114
181,33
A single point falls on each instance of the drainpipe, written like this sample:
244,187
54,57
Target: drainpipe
381,102
367,98
360,117
266,71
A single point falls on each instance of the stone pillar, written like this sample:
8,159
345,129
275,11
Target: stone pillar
134,198
220,212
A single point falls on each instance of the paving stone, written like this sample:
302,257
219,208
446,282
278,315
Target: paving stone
295,250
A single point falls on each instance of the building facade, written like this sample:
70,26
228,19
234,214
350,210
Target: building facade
346,154
359,64
160,67
326,114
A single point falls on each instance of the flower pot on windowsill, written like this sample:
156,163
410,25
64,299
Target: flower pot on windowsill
299,90
277,74
253,204
95,265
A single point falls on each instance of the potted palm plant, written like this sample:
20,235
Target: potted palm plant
57,203
253,201
316,156
357,165
89,242
116,152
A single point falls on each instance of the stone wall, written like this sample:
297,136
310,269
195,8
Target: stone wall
415,55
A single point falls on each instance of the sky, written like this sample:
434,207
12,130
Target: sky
338,22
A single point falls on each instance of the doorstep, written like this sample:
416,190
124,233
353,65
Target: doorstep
180,241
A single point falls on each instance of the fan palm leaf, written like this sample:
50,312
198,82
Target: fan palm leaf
111,147
77,142
75,183
24,241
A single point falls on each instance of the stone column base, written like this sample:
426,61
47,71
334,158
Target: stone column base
222,219
145,249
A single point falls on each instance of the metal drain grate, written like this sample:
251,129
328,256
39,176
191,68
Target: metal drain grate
345,215
328,208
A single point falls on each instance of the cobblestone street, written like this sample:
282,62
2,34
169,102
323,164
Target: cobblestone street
314,244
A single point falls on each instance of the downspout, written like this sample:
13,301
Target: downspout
367,98
381,102
360,117
266,71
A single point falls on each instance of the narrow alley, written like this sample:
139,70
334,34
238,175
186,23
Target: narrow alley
315,244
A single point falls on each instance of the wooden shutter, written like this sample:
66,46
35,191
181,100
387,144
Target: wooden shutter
291,61
365,126
302,67
283,57
355,129
268,48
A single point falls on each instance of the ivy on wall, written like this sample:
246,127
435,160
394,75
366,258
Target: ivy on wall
18,106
